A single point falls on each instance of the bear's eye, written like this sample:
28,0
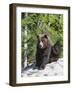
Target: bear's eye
43,40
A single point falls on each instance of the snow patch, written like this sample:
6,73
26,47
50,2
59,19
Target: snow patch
51,69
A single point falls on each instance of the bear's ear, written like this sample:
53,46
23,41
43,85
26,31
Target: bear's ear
37,36
45,36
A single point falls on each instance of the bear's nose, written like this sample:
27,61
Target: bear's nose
41,44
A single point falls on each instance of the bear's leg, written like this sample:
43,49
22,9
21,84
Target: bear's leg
38,62
44,62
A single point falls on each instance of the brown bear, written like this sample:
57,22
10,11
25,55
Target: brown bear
43,51
46,53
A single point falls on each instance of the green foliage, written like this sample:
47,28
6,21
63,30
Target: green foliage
37,24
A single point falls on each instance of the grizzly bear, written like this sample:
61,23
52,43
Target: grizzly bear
43,51
46,53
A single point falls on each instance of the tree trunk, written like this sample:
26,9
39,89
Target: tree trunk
25,45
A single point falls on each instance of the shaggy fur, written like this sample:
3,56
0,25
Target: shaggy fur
46,53
43,53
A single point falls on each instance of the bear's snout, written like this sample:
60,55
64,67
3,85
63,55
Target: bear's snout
41,44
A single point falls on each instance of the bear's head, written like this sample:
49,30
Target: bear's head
42,41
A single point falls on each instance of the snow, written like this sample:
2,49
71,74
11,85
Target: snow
51,69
